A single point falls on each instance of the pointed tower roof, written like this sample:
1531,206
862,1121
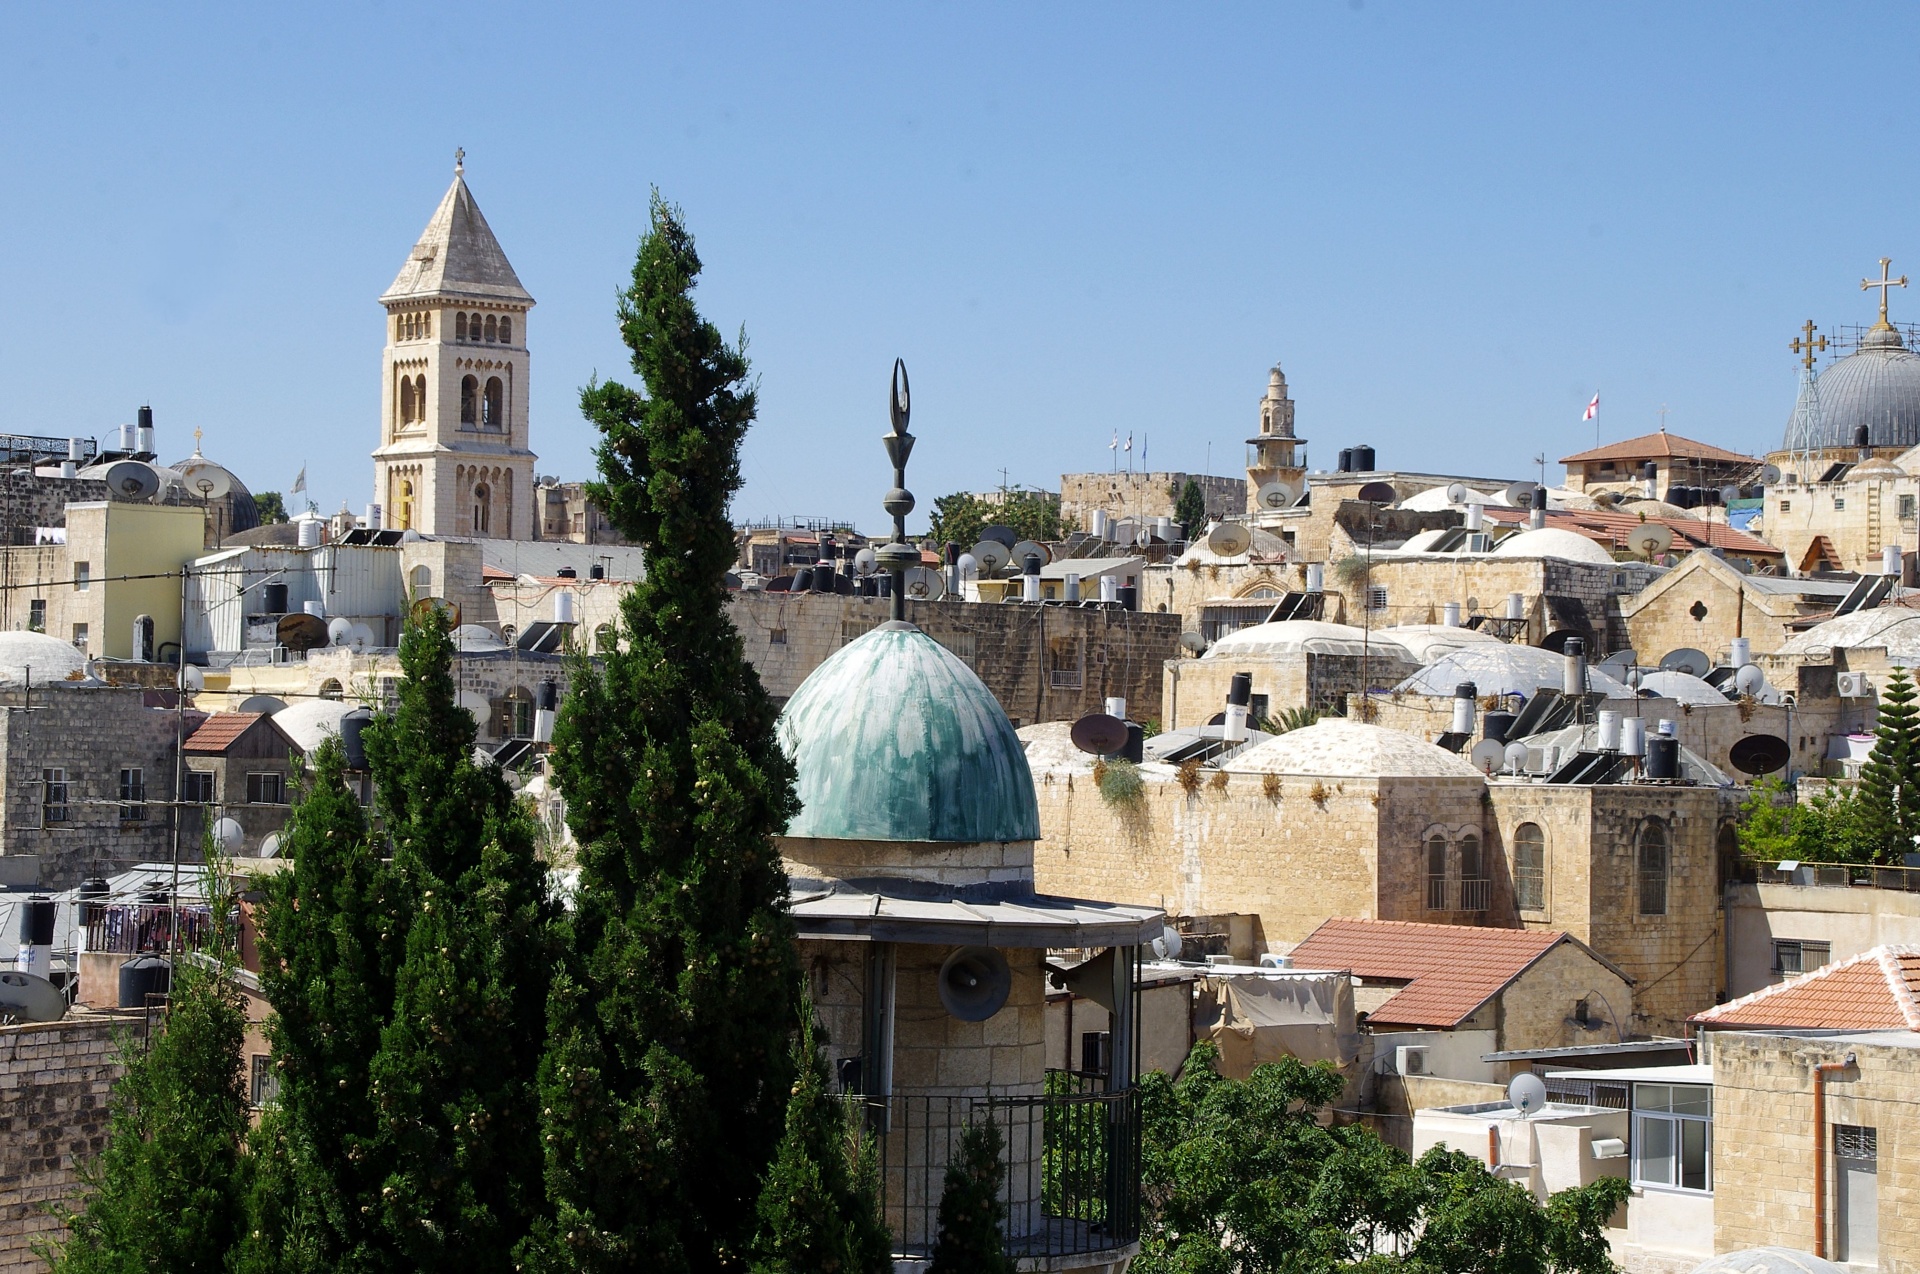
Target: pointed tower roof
457,255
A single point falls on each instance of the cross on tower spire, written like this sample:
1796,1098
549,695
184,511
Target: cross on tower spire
460,161
1883,283
1807,344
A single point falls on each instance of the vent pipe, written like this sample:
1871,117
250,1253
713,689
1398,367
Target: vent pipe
1740,653
1516,605
1609,731
1573,674
1450,614
1239,696
1316,577
1464,695
143,432
1633,737
1073,586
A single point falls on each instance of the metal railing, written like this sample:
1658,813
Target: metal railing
1829,876
145,928
1071,1157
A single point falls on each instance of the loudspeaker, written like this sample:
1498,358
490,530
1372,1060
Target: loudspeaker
974,983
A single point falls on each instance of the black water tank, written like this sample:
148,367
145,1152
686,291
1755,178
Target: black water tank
1497,726
823,577
1346,460
1663,757
141,977
273,599
1129,597
350,741
803,580
92,890
596,571
1363,460
1136,749
1860,437
36,922
567,572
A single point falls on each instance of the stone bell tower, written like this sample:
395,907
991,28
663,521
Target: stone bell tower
454,457
1274,454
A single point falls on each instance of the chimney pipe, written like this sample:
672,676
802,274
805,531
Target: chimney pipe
1538,518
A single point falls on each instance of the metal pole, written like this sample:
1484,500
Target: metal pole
896,557
179,776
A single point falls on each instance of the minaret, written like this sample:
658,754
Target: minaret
1273,456
454,456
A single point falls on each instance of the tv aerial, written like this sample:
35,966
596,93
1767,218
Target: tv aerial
1229,539
1274,495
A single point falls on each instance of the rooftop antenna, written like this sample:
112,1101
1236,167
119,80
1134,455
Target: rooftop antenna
1806,412
896,557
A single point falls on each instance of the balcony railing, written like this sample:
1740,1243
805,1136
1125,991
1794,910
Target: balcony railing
1828,875
145,928
1072,1159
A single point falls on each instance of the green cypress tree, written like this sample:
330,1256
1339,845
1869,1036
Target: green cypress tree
330,937
971,1213
1890,778
168,1191
819,1207
1191,510
453,1082
667,1075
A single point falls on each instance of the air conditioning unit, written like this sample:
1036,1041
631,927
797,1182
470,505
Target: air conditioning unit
1854,685
1410,1059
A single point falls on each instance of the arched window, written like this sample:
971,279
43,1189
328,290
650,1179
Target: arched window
1436,872
1475,888
332,689
405,511
603,640
406,400
493,328
506,331
422,582
513,718
1261,594
482,509
469,400
1726,853
493,414
426,323
1530,867
420,396
1653,862
460,327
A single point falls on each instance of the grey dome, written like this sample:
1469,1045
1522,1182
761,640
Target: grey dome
1878,386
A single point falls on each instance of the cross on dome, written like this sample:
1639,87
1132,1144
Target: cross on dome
1807,345
1884,282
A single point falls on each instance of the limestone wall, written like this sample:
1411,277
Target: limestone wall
55,1081
1144,495
1850,920
1538,1009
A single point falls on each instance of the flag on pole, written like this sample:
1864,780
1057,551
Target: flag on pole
1593,408
299,481
1115,444
1143,450
1129,446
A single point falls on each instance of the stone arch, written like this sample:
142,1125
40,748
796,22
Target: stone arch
406,400
493,328
493,407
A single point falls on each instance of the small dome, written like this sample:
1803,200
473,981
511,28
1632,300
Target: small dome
1498,668
311,722
1551,541
1768,1260
1428,642
1303,636
1335,747
39,657
894,739
1894,628
1681,687
1875,469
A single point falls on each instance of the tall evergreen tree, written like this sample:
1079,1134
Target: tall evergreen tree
667,1075
1890,778
167,1191
331,930
819,1207
454,1080
1191,509
971,1214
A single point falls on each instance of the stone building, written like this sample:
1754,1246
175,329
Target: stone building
242,766
1677,462
116,562
1298,663
1275,455
1139,496
454,455
1704,603
563,511
57,1078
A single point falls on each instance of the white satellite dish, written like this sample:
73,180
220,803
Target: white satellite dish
1488,755
1229,539
1193,643
1527,1093
270,847
1274,495
1750,680
1688,660
192,679
1649,539
1516,757
1769,475
1520,494
969,569
1029,548
339,631
1167,946
991,555
28,997
1456,493
924,584
866,562
132,480
228,836
205,479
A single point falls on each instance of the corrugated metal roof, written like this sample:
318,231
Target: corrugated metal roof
1878,989
1450,970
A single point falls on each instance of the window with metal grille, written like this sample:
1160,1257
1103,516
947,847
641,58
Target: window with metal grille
1064,663
197,787
1792,956
37,615
1906,508
266,789
1096,1052
1851,1141
53,796
776,637
1376,597
263,1088
1475,888
1530,867
1653,868
1436,873
1839,504
82,576
133,794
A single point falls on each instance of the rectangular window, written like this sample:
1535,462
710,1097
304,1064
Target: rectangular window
1839,504
1856,1173
1064,668
263,1088
266,789
197,787
1792,957
1906,508
80,636
1437,874
82,576
1376,597
1673,1136
854,629
37,615
776,636
53,797
1786,506
133,794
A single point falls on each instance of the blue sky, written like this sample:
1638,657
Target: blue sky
1451,224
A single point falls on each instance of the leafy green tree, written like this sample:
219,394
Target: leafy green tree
959,518
1833,826
168,1190
271,507
1190,509
331,934
667,1076
971,1214
454,1079
820,1205
1890,778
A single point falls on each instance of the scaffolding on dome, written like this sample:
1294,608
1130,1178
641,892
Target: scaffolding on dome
1806,425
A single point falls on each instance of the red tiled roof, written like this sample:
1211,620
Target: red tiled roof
1875,990
221,731
1658,446
1450,970
1612,529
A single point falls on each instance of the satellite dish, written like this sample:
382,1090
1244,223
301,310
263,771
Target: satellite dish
1099,734
1274,495
1616,664
1649,539
991,555
1520,494
270,847
1193,643
1759,754
968,566
1488,755
339,631
261,703
1229,539
974,983
1728,495
1527,1093
28,997
866,562
1556,641
1456,493
1377,493
1516,757
1028,548
228,835
192,679
925,584
132,480
360,637
301,631
1769,475
1004,536
205,479
1688,660
1750,680
1167,946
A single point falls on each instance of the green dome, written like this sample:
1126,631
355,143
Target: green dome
896,739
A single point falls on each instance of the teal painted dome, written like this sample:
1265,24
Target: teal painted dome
895,739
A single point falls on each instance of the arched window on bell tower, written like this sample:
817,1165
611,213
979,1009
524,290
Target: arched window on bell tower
407,407
482,508
506,330
420,396
469,401
405,502
493,328
493,409
460,327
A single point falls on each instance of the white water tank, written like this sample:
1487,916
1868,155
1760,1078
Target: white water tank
1450,614
563,607
307,529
